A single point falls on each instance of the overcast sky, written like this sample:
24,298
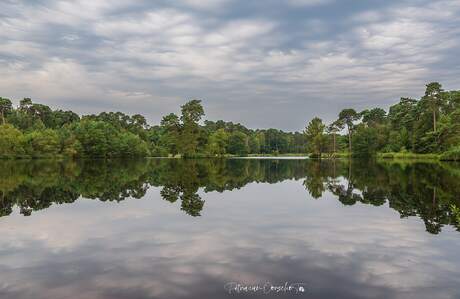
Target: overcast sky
267,63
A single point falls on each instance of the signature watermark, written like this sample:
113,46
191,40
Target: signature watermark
266,288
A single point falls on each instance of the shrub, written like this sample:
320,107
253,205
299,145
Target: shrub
387,155
451,155
10,142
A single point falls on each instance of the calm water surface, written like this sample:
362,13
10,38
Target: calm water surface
163,228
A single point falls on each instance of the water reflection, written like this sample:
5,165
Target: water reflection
320,226
427,190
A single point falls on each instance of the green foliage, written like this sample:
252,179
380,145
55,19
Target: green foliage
451,155
101,139
96,138
364,141
70,146
254,144
374,116
430,125
238,144
407,156
11,142
348,117
5,108
315,134
42,144
218,142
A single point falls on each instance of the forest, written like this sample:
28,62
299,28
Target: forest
429,125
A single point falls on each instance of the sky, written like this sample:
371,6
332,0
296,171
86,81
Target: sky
264,64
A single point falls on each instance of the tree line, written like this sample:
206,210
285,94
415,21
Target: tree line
428,125
35,130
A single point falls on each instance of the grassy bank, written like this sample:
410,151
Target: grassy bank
451,155
279,155
408,155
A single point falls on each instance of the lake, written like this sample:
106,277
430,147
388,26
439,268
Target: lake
229,228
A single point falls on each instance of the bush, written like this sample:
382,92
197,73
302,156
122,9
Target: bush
42,143
10,142
451,155
387,155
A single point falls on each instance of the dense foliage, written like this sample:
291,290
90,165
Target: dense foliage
35,130
428,125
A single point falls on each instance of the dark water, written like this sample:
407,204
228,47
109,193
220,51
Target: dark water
164,228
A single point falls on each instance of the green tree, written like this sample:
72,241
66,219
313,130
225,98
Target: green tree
333,129
69,144
348,117
218,142
433,97
5,108
172,128
254,144
315,136
43,143
238,144
11,140
364,141
192,112
96,138
374,117
402,118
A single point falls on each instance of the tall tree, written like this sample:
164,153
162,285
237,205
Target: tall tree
315,134
192,112
333,129
238,144
218,142
374,116
348,117
433,97
172,127
5,107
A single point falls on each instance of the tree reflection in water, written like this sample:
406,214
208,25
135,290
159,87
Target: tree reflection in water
427,190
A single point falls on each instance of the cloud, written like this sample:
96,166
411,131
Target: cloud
309,2
303,54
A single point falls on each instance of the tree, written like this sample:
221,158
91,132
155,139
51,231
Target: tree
5,108
218,142
25,104
315,136
61,118
348,117
434,99
69,144
42,143
374,117
192,112
128,144
10,142
172,128
254,144
402,118
333,129
365,141
238,144
96,138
